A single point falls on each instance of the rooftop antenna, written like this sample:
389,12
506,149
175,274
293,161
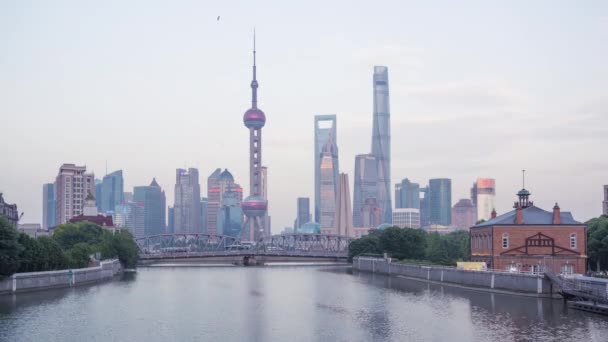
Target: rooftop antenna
523,179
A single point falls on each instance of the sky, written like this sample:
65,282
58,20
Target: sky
478,89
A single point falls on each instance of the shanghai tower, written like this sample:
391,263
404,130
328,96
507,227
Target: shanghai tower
255,205
381,141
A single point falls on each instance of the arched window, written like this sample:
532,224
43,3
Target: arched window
505,240
573,241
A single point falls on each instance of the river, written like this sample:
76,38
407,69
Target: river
285,303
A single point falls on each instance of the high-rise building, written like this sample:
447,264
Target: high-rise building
98,193
112,192
406,217
605,201
48,206
343,219
303,212
230,219
266,219
170,220
474,194
204,203
371,214
440,191
72,185
381,140
213,200
187,201
255,206
130,215
128,196
464,214
154,203
366,184
425,207
325,130
486,197
407,194
328,188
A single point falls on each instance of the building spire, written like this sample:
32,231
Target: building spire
254,82
523,179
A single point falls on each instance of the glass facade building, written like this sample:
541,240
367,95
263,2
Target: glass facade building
230,218
366,179
303,212
187,203
112,191
381,140
407,194
325,130
154,203
48,206
440,201
328,187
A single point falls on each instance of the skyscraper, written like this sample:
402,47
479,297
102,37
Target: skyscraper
303,212
48,206
486,197
266,219
187,204
343,218
440,201
325,129
213,200
366,178
371,214
425,207
130,215
204,203
170,220
328,187
230,218
381,140
605,202
71,188
408,194
464,214
112,191
255,205
98,193
152,197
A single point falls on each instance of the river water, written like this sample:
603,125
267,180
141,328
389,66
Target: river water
285,303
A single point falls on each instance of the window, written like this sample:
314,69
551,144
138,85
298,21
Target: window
567,269
505,240
573,240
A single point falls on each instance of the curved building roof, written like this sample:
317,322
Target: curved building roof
226,175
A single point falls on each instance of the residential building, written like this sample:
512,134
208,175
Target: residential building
381,140
9,211
325,130
406,218
72,186
407,194
464,214
366,184
485,189
154,203
187,201
328,187
531,239
48,206
440,201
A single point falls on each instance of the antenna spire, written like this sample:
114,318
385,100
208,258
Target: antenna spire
254,82
523,179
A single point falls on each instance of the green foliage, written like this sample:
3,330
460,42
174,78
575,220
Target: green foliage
9,249
54,259
369,244
70,234
597,242
122,246
78,255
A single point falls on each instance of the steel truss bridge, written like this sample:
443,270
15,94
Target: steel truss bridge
163,247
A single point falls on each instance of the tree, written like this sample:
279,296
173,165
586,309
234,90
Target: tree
78,255
368,244
436,250
70,234
9,249
55,259
458,245
31,254
597,241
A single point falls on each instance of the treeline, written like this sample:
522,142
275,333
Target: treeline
413,244
597,242
69,247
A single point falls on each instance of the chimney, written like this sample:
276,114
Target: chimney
519,215
556,215
494,213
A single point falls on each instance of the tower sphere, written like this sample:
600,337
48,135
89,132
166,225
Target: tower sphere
254,118
254,206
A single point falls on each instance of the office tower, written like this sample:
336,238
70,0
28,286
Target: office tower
440,201
203,220
112,191
128,196
366,184
425,207
230,219
328,188
407,194
474,194
130,215
187,201
266,218
343,221
72,185
486,197
325,130
464,214
381,140
154,203
406,218
170,220
48,206
605,202
98,193
371,214
213,200
303,212
255,205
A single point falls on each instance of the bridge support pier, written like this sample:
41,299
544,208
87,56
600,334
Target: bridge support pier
252,261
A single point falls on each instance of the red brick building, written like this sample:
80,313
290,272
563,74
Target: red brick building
531,239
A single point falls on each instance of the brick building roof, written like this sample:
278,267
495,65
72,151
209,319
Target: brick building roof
532,215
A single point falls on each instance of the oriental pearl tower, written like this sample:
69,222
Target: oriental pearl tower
255,205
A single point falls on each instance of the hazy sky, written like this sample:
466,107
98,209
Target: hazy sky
478,88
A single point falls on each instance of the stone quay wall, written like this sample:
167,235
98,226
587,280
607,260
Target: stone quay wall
35,281
520,283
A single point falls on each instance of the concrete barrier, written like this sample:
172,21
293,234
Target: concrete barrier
530,284
35,281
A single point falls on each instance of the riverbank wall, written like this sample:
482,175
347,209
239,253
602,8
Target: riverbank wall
36,281
517,283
